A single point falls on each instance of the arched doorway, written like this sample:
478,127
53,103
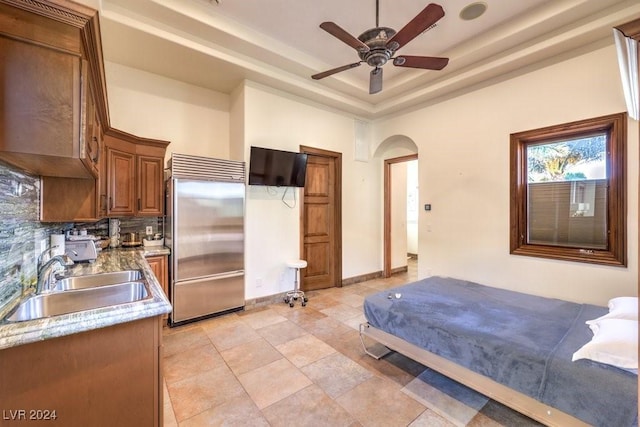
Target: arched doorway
399,156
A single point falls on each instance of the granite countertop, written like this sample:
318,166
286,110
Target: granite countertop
19,333
147,251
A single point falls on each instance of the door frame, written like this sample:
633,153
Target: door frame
337,213
387,208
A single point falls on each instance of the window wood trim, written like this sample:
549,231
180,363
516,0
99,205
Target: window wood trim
615,254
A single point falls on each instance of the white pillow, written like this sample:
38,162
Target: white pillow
620,308
625,304
614,342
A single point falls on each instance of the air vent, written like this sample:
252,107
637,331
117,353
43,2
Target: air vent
196,167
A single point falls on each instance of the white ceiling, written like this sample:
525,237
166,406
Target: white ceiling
279,43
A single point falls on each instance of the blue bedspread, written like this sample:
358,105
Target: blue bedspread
522,341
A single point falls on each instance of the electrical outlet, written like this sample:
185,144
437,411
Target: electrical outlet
43,245
149,230
259,282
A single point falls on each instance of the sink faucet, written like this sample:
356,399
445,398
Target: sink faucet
47,272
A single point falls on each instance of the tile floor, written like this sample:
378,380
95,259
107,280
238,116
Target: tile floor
304,366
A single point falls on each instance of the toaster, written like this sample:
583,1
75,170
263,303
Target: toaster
81,250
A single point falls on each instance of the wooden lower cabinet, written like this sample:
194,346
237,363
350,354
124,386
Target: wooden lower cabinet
160,266
104,377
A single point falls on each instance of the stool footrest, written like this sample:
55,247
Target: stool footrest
295,295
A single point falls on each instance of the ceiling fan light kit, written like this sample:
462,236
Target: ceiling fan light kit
378,45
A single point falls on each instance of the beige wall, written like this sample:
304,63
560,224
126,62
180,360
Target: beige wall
463,147
275,120
201,122
195,120
236,124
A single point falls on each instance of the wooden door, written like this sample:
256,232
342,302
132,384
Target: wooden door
320,223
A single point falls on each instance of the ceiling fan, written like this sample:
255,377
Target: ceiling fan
378,45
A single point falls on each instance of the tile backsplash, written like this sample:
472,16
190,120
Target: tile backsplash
20,231
22,234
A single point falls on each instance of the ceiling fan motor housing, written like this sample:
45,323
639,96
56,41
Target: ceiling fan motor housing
376,39
377,46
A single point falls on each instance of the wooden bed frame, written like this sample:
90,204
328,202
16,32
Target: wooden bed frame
513,399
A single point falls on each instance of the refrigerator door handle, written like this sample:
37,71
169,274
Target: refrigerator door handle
225,275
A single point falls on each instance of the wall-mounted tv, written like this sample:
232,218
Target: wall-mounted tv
277,168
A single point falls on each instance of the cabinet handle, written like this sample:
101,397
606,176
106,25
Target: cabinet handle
139,204
110,203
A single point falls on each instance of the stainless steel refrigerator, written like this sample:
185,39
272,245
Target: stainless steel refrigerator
205,232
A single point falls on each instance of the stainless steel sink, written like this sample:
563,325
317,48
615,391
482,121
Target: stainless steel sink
56,303
96,280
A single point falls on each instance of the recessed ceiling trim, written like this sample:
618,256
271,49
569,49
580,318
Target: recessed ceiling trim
515,43
510,61
269,73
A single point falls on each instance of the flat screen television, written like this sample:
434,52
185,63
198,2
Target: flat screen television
277,168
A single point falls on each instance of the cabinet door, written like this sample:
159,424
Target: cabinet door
68,200
101,181
121,186
159,266
103,377
40,108
90,153
150,186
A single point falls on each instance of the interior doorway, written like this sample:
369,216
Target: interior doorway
400,226
321,220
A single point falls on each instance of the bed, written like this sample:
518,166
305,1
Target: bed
512,347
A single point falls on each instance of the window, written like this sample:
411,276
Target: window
568,191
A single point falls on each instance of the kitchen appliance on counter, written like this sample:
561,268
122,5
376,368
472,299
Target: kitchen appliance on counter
205,232
82,249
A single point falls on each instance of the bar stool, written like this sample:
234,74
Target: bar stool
296,292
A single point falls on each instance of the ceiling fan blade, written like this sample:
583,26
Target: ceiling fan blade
429,16
337,31
335,70
426,62
375,81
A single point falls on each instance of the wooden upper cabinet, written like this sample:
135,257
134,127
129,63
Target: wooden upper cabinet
40,112
135,175
42,106
72,199
121,188
54,117
150,185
